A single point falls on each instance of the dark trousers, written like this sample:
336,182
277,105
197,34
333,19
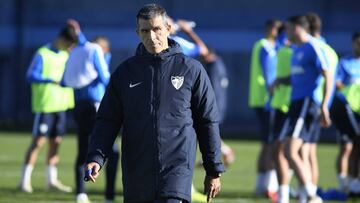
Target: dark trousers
84,115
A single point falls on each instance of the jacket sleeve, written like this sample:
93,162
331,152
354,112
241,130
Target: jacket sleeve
35,70
205,116
101,66
108,123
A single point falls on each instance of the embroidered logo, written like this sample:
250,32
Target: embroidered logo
43,128
134,85
177,81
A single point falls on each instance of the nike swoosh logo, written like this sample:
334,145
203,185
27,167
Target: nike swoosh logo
134,85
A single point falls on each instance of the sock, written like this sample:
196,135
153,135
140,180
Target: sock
310,189
82,196
343,182
284,191
260,183
272,182
51,174
26,175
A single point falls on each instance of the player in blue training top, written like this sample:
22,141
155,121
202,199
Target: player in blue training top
217,72
87,71
309,65
309,148
345,112
189,48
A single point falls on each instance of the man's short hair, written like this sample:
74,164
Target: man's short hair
150,11
272,23
299,20
314,23
68,33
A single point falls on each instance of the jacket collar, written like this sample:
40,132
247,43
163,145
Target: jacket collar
174,48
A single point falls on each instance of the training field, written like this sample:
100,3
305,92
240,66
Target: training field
237,183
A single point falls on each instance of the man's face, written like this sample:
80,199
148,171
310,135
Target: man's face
154,34
356,47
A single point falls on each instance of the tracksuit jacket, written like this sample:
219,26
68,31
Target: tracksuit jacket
165,103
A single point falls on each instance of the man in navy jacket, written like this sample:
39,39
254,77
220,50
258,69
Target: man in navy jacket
164,102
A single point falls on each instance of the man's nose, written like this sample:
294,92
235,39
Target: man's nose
152,35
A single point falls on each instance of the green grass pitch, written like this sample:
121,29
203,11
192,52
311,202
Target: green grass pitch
237,183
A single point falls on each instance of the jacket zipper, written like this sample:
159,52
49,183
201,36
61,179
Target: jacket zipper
153,112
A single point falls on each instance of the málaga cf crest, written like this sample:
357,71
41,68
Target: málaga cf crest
177,81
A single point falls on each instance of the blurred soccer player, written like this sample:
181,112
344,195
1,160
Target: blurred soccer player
346,114
281,93
309,148
308,66
217,72
262,75
87,71
49,103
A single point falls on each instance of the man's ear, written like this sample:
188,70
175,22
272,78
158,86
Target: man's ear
168,27
137,31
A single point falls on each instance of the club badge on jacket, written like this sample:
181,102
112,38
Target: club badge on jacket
177,81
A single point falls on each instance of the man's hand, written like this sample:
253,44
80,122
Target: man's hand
92,171
212,187
74,24
184,26
273,86
325,117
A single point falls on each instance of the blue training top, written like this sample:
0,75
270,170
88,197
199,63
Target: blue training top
349,70
307,63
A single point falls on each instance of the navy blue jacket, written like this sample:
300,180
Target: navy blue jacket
165,103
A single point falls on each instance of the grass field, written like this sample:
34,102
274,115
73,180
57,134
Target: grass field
237,182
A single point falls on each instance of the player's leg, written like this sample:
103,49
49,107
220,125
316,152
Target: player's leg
343,163
281,164
264,156
314,164
314,130
300,124
292,149
38,140
84,115
271,181
354,184
346,122
57,131
282,169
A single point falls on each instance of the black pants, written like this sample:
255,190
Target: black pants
85,114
